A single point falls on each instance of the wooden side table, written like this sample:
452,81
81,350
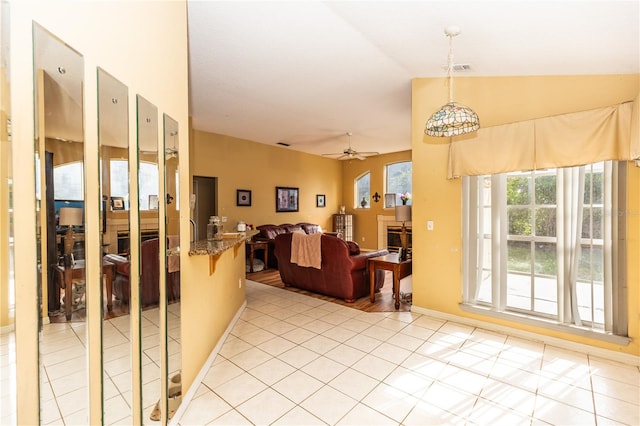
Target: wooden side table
257,245
65,280
390,262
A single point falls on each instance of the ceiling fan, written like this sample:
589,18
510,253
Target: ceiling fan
350,153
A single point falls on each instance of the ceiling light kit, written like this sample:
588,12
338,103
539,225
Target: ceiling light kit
453,118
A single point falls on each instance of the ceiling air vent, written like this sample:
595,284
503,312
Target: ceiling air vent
462,67
282,143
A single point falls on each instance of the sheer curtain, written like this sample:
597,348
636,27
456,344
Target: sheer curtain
570,205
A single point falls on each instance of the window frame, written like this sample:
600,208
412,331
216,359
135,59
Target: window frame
398,201
356,192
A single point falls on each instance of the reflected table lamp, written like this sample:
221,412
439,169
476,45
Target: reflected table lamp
403,214
70,217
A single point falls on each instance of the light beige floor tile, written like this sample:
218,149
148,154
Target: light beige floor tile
116,410
339,334
272,371
328,404
345,355
363,415
462,379
298,416
265,407
405,341
514,376
391,353
299,320
425,413
73,402
450,399
298,386
257,337
510,397
566,393
614,370
617,410
375,367
408,382
324,369
472,362
320,344
615,389
250,358
390,401
239,389
276,346
69,383
354,384
363,343
298,356
379,333
557,413
424,365
318,326
487,413
279,327
299,335
234,347
204,409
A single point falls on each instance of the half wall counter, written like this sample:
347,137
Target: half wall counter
214,249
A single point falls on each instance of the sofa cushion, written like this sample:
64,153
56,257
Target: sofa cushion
310,228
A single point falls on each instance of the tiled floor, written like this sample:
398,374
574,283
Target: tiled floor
296,360
63,378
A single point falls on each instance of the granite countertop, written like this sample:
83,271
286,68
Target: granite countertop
205,247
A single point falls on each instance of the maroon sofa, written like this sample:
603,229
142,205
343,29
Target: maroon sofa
150,270
270,232
343,273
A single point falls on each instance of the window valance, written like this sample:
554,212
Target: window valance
609,133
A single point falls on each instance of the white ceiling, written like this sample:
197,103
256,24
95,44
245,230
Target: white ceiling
308,72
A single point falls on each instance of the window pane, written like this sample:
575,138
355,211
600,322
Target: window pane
546,189
362,191
148,183
591,266
546,261
593,194
399,179
519,291
68,181
546,222
518,191
592,226
546,296
519,256
519,221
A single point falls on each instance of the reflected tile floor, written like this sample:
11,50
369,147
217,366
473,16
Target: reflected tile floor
296,360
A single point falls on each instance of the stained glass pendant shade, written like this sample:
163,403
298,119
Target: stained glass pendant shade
453,118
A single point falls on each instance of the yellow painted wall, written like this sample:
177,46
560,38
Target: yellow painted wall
243,164
437,270
365,220
208,304
130,41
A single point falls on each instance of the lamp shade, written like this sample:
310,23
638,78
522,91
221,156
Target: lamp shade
403,213
451,120
70,216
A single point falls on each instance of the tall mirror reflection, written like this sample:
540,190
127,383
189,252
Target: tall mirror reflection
172,223
60,196
8,388
113,132
149,199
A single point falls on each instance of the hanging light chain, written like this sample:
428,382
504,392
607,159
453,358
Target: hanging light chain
450,67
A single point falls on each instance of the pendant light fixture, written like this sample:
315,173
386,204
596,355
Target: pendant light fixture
452,119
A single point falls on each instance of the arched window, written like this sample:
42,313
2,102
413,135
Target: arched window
362,193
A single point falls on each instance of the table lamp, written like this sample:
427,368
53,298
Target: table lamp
403,214
70,216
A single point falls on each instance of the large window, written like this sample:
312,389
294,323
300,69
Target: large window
119,181
398,179
68,181
362,192
543,244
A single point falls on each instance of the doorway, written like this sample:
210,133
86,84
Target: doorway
206,204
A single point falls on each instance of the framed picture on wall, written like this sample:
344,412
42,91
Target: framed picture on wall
320,200
243,197
117,203
286,199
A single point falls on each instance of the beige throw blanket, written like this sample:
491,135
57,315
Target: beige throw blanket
305,250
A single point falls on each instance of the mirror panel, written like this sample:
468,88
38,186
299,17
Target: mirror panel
172,223
149,199
60,196
8,388
113,132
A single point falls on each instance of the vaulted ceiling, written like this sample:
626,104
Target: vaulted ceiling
307,72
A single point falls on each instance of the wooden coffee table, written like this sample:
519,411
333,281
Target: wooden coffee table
390,262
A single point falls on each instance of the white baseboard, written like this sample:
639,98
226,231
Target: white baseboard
561,343
5,329
175,420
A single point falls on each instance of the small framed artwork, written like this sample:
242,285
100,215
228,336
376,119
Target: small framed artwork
243,197
320,200
153,202
389,201
286,199
117,203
